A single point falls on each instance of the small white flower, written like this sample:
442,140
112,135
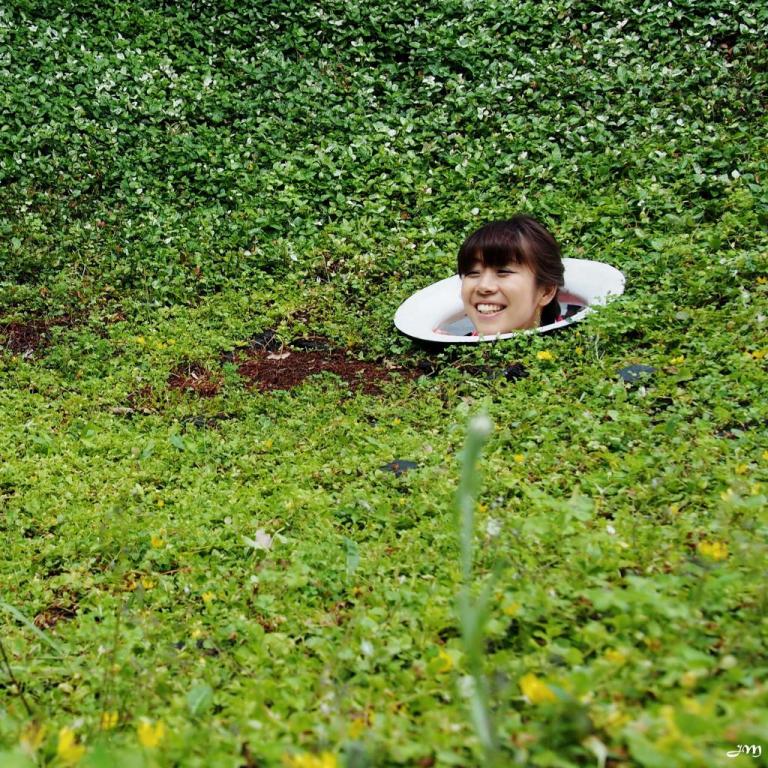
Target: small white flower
611,530
366,648
261,540
493,527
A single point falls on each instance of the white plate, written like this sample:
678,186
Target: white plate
587,284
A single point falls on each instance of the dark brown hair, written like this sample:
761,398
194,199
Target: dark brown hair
519,240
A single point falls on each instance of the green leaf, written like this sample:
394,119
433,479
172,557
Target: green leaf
199,699
108,756
15,759
17,614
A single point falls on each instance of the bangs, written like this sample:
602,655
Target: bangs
495,245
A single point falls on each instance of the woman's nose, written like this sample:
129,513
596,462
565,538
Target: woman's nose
487,281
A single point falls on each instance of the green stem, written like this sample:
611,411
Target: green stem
14,680
473,610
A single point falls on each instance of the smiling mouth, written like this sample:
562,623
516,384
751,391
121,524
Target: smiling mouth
489,309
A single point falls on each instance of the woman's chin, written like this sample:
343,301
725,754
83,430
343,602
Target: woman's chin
489,328
494,327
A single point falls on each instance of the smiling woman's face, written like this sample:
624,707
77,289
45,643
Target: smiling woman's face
503,299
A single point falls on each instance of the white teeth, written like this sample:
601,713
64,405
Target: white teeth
486,309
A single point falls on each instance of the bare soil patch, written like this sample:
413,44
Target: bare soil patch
26,338
64,607
195,378
267,368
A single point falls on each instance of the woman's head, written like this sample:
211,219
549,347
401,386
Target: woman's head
510,275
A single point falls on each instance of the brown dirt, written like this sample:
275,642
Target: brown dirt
140,400
25,338
61,609
269,370
195,378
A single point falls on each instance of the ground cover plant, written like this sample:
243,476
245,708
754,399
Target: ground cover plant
227,485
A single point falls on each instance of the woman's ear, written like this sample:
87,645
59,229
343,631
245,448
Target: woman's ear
548,295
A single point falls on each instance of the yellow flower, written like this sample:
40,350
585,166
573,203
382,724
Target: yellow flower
323,760
765,455
160,503
519,458
32,737
579,350
545,355
689,679
68,750
208,597
140,340
511,609
759,354
613,719
742,469
535,690
147,583
714,550
762,280
677,360
445,657
150,735
108,720
615,657
157,542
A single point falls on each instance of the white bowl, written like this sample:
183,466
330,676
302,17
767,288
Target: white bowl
436,313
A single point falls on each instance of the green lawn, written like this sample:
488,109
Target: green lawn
198,571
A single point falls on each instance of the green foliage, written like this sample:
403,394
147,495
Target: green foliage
235,580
